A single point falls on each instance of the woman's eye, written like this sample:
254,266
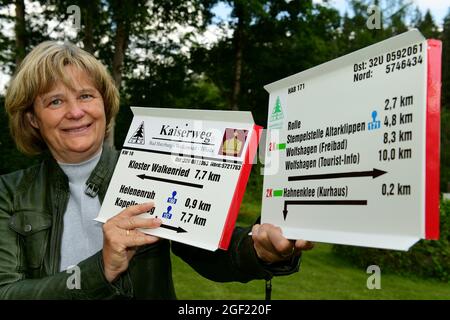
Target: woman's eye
86,96
55,102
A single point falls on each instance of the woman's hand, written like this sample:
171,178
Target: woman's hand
271,246
120,239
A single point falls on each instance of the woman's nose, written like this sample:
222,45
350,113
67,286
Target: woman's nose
75,110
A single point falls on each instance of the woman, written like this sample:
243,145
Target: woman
62,100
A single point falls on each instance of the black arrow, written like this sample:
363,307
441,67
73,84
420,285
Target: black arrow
322,203
177,229
373,173
194,185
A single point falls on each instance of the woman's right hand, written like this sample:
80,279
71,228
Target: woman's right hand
121,239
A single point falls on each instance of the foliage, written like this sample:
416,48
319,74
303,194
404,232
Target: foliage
281,38
323,275
428,27
446,65
10,158
445,111
427,258
445,150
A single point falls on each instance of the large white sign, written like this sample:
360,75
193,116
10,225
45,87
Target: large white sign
353,147
193,164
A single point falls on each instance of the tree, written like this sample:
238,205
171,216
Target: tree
242,15
7,44
123,18
281,38
13,49
427,26
90,12
20,31
243,10
445,111
446,63
156,68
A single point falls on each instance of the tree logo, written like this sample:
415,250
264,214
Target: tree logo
277,113
138,136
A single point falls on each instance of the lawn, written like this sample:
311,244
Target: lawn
323,275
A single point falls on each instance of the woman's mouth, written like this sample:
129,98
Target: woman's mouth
78,129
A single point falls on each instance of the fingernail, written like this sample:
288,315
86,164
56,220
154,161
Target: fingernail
158,220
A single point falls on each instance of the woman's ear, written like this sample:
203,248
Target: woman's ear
32,119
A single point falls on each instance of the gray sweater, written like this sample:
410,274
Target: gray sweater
82,236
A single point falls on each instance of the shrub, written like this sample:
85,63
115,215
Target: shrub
445,150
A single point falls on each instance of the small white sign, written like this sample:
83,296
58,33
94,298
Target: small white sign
193,164
356,143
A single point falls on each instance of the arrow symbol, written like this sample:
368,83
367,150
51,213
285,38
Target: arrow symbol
194,185
322,203
373,173
285,212
177,229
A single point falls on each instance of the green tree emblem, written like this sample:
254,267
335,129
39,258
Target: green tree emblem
277,113
277,108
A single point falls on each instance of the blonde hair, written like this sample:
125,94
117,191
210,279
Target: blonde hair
37,74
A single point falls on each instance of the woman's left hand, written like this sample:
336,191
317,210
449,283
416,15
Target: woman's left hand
271,246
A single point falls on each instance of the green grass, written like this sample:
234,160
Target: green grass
323,275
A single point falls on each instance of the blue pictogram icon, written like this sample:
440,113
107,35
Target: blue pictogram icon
172,199
375,124
167,214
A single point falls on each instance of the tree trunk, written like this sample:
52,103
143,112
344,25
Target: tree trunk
91,9
20,31
238,38
121,44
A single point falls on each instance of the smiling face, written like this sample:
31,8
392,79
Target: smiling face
71,120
